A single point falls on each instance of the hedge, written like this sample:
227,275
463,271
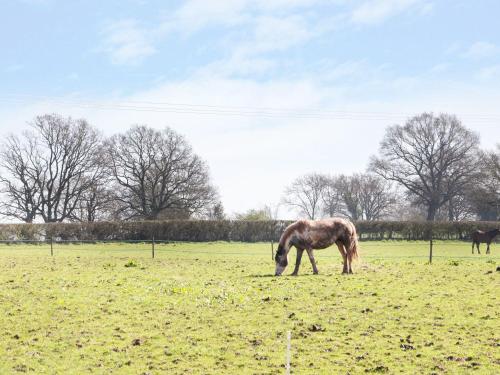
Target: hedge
227,230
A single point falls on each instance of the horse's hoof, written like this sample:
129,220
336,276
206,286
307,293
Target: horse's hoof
294,274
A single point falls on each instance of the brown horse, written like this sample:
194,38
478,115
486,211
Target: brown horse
317,234
479,236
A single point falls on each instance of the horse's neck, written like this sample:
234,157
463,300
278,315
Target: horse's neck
285,242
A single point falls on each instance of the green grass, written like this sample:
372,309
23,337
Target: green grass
213,308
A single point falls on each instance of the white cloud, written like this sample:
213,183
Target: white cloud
426,9
272,25
481,50
440,68
13,68
377,11
248,55
347,69
127,43
270,34
254,27
280,33
195,15
489,72
238,65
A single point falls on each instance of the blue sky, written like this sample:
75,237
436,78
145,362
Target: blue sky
331,73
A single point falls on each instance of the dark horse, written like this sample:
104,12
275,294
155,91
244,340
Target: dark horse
317,234
479,236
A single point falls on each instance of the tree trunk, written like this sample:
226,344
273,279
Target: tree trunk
451,216
431,212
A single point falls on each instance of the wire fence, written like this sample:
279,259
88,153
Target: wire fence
371,250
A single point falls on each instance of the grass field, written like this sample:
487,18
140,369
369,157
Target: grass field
213,308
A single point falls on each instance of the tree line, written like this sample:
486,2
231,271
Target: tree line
64,169
429,168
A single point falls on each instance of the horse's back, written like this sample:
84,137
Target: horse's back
328,231
318,234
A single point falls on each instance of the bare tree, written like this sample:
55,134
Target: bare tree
457,208
216,211
349,188
332,198
158,175
96,204
358,197
49,168
376,197
19,179
433,157
305,194
484,192
494,163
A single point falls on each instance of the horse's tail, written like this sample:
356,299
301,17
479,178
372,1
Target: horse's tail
353,243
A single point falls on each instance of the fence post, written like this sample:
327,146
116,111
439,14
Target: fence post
153,247
272,250
430,244
51,247
288,354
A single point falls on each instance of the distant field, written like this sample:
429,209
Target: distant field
212,308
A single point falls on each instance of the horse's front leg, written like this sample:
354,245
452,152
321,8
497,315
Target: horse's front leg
313,262
477,245
488,248
297,262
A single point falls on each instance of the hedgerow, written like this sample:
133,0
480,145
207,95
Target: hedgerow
229,230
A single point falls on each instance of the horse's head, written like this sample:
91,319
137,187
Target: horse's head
281,259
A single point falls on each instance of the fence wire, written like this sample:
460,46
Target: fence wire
153,248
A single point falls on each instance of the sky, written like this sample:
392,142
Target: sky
265,91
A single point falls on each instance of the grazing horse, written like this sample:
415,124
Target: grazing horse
479,236
317,234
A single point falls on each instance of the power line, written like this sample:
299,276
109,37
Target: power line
219,110
211,109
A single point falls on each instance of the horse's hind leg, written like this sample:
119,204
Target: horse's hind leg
473,243
477,245
349,262
488,248
313,262
297,262
344,257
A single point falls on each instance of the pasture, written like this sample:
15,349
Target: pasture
213,308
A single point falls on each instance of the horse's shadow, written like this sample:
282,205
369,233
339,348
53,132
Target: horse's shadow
254,276
261,276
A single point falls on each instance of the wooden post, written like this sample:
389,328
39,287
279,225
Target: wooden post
51,247
153,247
272,250
288,354
430,251
430,244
